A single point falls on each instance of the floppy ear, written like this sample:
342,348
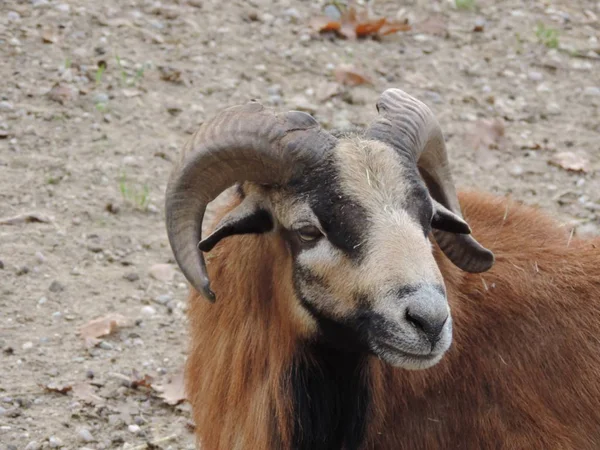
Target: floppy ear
250,217
445,220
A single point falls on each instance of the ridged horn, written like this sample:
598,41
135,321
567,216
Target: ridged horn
410,127
242,143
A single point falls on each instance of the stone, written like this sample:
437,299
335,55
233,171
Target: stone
132,276
56,286
55,442
162,272
135,429
33,445
592,91
148,310
85,435
100,97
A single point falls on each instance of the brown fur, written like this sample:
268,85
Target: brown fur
523,371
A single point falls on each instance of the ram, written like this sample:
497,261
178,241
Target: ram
351,307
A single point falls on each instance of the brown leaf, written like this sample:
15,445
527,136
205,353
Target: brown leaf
393,27
350,76
574,162
85,393
59,388
364,29
435,25
102,326
355,23
139,381
323,24
173,392
487,134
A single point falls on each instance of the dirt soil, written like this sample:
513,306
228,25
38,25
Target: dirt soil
98,98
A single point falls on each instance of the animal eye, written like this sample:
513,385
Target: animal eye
309,233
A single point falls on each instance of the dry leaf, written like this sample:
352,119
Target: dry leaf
85,393
173,392
137,380
102,326
59,388
350,76
574,162
355,23
324,24
25,218
393,27
487,134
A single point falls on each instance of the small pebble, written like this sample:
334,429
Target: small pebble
55,442
85,435
163,299
162,272
148,310
6,106
13,16
100,97
63,7
592,90
40,257
274,89
27,345
22,270
134,428
105,345
516,171
33,445
56,286
3,411
132,276
535,76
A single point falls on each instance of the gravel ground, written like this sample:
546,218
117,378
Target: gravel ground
98,97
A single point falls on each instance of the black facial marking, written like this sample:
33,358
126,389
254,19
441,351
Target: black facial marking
332,397
418,203
343,219
260,221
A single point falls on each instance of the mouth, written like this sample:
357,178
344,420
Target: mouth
403,359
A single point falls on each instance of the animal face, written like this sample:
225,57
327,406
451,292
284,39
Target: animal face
357,230
356,215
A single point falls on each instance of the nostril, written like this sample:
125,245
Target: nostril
431,325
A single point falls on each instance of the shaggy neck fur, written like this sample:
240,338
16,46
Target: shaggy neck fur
522,371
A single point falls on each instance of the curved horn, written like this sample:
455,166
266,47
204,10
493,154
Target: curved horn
410,127
242,143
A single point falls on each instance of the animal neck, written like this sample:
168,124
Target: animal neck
331,398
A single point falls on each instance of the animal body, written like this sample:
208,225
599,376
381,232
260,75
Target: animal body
357,302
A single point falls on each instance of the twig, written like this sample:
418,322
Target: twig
155,442
25,218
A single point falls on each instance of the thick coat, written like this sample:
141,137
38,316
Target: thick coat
522,372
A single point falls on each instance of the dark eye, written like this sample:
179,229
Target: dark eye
309,233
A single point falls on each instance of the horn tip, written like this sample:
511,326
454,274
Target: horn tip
207,292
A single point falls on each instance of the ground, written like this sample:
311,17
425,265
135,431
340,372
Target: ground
98,98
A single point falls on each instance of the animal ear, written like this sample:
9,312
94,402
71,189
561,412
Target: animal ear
250,217
445,220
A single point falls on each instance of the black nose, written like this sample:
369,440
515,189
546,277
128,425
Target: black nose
430,320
